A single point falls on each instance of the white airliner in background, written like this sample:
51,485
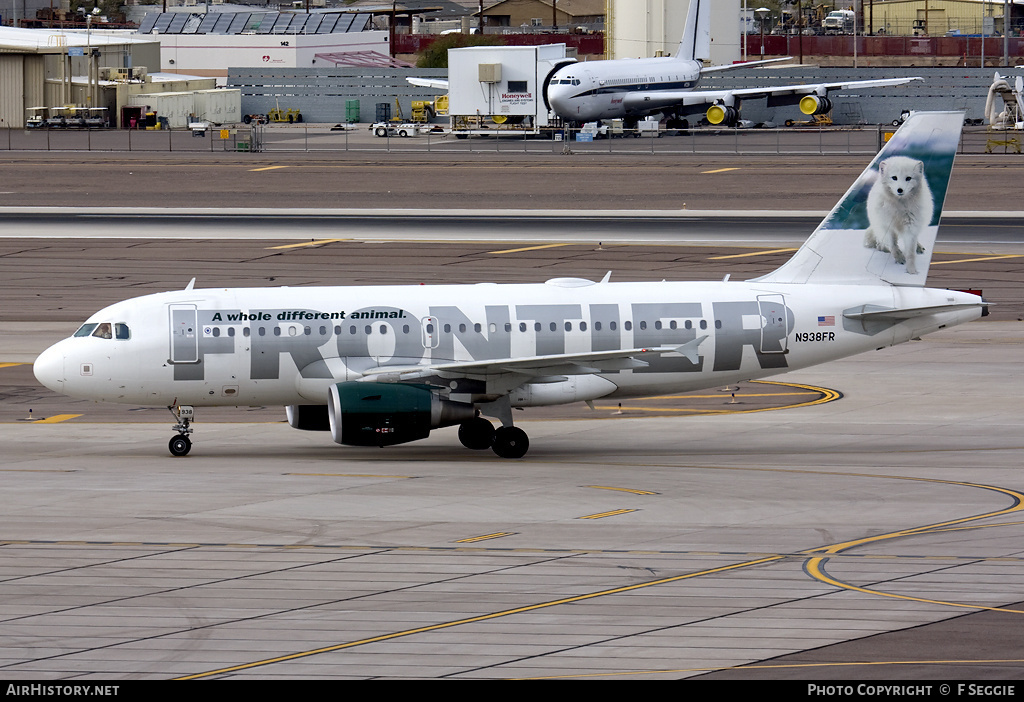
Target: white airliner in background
383,365
631,88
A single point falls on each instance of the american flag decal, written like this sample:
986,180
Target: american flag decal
829,321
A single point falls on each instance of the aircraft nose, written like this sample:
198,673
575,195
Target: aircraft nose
49,368
558,97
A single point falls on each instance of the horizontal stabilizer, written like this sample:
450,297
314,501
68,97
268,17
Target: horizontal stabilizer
865,313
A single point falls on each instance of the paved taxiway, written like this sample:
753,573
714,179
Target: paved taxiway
622,546
582,182
873,536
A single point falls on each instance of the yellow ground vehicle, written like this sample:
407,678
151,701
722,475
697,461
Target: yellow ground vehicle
278,115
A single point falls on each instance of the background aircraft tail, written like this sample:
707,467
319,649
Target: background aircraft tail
696,42
883,230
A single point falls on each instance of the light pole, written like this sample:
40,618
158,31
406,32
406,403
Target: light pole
800,30
1007,12
90,61
762,14
745,28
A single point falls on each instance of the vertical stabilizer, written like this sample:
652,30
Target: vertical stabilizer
884,228
696,42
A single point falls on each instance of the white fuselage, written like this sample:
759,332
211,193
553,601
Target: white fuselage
287,346
586,92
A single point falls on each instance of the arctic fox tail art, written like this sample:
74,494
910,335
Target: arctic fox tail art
900,206
884,228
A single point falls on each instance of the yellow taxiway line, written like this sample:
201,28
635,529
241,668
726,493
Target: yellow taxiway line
56,418
613,513
619,489
316,242
973,260
747,255
485,537
530,248
480,618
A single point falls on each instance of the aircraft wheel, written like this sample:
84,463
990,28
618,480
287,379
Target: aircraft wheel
511,442
180,445
477,434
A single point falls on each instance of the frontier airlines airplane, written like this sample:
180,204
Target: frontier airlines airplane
385,365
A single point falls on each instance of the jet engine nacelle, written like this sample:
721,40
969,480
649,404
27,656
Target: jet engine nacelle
308,417
383,414
815,105
722,114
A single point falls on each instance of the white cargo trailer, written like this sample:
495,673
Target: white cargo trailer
214,106
175,107
500,89
218,106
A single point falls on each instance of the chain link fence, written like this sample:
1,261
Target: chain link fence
266,140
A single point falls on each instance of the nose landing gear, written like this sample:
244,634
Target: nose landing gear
180,445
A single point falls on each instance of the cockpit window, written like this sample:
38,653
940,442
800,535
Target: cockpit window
105,330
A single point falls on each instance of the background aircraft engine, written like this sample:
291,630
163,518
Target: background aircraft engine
308,417
383,414
722,114
814,105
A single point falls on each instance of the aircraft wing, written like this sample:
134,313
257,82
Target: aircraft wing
742,64
538,366
657,99
437,83
820,89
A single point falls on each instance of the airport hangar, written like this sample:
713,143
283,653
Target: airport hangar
54,68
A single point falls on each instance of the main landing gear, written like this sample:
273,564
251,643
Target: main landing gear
180,445
505,441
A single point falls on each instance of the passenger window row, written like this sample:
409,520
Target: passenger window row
352,329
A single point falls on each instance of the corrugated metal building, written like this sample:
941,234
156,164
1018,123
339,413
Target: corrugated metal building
936,18
54,69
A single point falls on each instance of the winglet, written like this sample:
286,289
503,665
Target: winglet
191,284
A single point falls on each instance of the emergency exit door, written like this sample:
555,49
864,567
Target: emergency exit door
184,334
774,321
